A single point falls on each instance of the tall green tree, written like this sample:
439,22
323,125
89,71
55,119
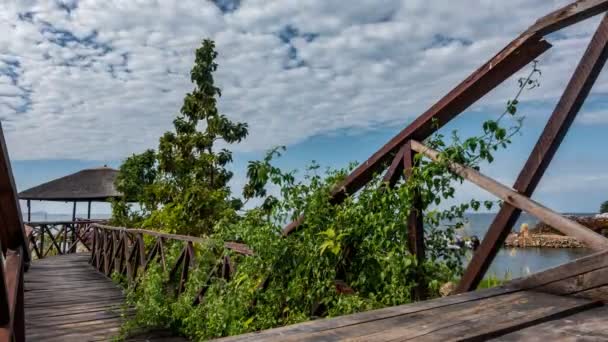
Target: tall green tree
135,177
604,207
190,191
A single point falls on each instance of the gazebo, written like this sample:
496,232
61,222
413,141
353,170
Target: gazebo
89,185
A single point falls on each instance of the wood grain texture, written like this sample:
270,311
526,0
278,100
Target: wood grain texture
503,65
471,318
591,325
66,299
553,134
512,197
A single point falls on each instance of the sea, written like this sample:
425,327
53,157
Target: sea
509,263
516,262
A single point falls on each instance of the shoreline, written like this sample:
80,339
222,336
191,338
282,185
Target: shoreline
516,240
543,235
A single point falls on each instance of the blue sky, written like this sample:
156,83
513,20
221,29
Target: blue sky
87,83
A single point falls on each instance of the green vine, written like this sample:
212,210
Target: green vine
345,258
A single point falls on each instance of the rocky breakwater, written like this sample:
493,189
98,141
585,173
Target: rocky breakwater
543,235
542,240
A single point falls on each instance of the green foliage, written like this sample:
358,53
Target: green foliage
493,280
604,207
135,177
183,188
344,258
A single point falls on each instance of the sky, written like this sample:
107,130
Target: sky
88,83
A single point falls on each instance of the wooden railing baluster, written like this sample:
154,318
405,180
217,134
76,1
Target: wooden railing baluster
162,253
129,255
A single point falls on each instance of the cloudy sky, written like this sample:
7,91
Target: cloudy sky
87,83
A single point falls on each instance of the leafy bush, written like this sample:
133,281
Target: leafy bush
361,242
604,207
344,258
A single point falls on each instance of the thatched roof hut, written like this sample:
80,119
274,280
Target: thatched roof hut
89,185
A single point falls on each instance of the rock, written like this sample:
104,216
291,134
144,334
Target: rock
542,240
596,223
447,289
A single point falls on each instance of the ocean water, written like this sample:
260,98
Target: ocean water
512,262
516,262
47,217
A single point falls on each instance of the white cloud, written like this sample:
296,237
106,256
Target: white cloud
594,117
102,79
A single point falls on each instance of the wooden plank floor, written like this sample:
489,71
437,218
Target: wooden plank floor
66,299
480,315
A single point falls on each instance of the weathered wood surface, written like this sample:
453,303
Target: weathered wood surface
477,316
589,325
517,200
586,278
553,134
66,299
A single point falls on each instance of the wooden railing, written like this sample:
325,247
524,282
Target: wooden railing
60,237
518,53
124,251
15,254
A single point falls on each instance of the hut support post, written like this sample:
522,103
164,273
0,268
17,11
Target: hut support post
89,211
29,210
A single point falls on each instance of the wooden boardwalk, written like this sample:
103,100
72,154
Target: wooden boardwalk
484,315
66,299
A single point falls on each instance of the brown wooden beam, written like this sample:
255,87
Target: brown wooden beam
415,222
568,15
515,199
395,170
560,121
12,233
511,59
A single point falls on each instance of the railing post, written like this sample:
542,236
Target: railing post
64,245
415,223
93,246
74,243
188,256
42,240
19,314
108,254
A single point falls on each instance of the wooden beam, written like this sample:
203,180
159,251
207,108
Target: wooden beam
12,233
395,170
508,61
568,15
512,58
587,236
560,121
415,224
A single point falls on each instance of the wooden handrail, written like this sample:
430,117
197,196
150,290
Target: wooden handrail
550,217
62,237
122,250
235,246
38,223
14,240
152,233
